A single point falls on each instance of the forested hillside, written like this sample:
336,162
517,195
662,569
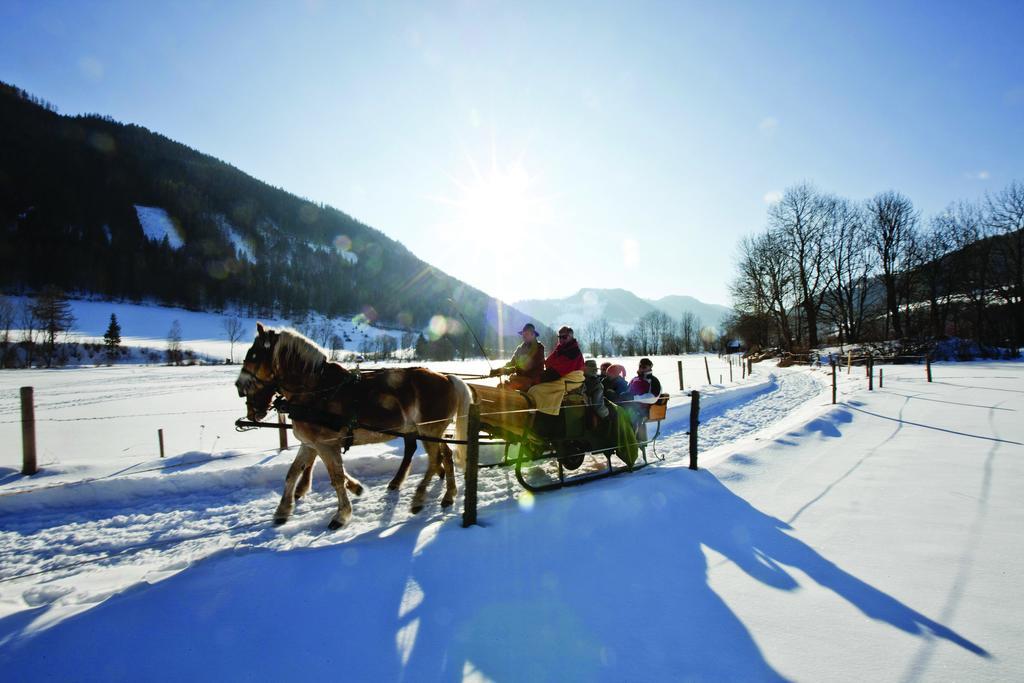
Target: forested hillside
93,205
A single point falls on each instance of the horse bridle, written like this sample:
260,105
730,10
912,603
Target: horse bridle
308,413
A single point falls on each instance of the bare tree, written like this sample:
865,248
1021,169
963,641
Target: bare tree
941,263
801,219
971,230
663,328
643,334
892,226
689,331
598,334
175,354
764,284
848,257
234,329
1006,219
337,344
29,331
53,313
617,344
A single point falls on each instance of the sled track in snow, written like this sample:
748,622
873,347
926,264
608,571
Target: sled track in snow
41,548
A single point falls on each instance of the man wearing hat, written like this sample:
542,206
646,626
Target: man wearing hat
527,362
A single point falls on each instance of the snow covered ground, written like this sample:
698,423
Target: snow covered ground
873,540
146,326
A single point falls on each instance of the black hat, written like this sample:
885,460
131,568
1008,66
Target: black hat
530,327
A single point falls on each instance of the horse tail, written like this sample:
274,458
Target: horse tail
463,399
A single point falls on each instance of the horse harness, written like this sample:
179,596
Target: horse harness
348,422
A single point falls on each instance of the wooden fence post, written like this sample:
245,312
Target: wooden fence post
871,375
472,466
849,361
679,366
694,422
283,439
833,383
928,367
750,366
28,432
160,438
881,378
730,368
707,369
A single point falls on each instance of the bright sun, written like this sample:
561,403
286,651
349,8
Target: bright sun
496,204
491,207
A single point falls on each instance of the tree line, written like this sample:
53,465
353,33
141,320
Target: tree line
653,333
829,269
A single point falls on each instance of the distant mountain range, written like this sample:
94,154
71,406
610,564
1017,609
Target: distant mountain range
621,308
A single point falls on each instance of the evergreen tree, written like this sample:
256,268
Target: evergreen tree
112,337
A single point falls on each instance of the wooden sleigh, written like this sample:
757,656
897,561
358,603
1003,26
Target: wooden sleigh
574,447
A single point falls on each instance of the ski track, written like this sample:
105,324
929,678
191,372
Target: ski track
101,540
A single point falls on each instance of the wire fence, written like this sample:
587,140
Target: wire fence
136,468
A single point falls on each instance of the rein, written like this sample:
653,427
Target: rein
336,422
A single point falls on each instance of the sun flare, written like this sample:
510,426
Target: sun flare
495,204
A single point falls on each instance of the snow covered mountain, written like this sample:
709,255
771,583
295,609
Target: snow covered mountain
621,308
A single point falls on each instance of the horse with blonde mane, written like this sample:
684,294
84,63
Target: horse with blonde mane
333,408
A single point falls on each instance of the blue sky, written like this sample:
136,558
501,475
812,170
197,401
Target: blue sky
535,148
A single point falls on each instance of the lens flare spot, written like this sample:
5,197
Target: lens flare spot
525,501
630,252
437,327
343,248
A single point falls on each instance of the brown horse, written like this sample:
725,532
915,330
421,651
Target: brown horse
333,408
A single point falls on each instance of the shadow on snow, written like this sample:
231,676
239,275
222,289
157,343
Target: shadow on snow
607,584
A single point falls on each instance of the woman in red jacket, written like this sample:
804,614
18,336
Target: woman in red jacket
563,372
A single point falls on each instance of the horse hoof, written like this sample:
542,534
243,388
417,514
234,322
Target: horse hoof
447,503
358,490
335,525
393,486
278,521
416,508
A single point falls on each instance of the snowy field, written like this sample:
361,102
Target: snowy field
146,326
873,540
